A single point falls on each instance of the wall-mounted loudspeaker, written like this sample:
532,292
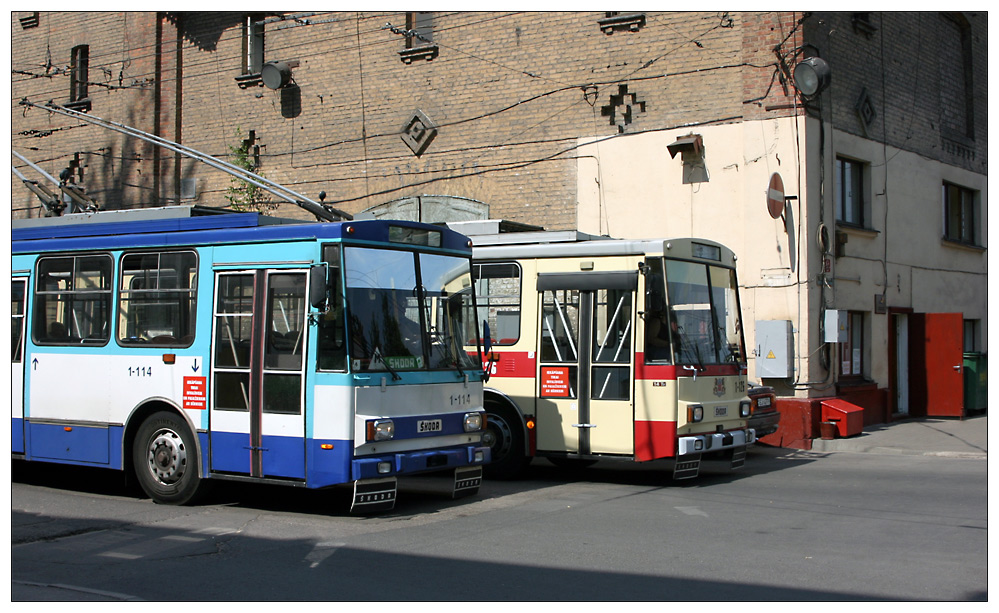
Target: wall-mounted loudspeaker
276,74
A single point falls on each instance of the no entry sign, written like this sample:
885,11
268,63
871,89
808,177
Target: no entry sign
775,196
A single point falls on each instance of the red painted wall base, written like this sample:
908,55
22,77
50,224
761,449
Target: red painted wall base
800,417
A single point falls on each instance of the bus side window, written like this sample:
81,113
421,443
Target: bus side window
332,346
497,295
157,299
72,303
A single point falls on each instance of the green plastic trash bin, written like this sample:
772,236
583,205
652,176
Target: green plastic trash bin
975,381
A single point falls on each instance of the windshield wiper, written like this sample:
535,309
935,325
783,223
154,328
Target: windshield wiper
445,341
686,354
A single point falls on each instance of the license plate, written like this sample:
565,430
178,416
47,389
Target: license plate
763,402
429,425
721,411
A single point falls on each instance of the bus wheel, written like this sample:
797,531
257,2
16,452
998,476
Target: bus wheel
505,439
165,460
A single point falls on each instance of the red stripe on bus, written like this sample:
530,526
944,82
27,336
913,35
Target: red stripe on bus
655,439
520,364
516,364
659,372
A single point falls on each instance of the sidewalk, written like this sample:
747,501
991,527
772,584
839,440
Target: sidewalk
952,437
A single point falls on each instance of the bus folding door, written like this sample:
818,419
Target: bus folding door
257,409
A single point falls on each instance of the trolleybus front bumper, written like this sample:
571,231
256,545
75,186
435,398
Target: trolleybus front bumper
691,448
414,462
375,477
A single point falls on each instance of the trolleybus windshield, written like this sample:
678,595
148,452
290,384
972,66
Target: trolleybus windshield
703,312
404,312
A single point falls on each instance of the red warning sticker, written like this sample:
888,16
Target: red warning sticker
555,382
194,393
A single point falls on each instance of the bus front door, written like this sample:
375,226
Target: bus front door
17,296
585,370
257,418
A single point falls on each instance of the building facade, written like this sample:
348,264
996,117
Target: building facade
634,125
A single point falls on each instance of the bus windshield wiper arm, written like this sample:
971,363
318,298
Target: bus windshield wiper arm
445,341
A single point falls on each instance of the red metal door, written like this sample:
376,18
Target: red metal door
938,363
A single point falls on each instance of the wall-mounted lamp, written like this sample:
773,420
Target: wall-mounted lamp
691,150
689,144
811,76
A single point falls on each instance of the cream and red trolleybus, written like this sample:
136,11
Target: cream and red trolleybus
610,349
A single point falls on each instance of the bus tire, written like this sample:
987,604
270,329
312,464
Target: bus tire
504,435
165,460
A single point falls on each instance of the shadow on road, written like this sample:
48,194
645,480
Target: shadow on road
304,570
416,494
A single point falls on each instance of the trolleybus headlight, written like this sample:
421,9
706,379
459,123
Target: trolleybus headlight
380,429
745,408
473,422
695,413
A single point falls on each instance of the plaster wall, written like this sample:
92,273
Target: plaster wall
630,187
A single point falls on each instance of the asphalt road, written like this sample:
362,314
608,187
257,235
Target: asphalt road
791,526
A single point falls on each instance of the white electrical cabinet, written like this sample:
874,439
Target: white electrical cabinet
774,349
835,326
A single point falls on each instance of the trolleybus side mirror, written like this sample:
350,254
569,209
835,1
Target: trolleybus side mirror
487,346
487,339
318,286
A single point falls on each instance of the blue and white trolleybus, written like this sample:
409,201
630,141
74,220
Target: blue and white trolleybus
189,348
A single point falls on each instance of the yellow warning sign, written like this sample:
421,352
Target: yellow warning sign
771,356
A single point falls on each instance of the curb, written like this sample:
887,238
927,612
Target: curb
821,446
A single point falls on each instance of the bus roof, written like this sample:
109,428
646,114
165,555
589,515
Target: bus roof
494,239
178,226
491,241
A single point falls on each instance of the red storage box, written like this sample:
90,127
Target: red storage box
849,418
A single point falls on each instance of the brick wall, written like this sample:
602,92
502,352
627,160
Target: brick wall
911,65
510,94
